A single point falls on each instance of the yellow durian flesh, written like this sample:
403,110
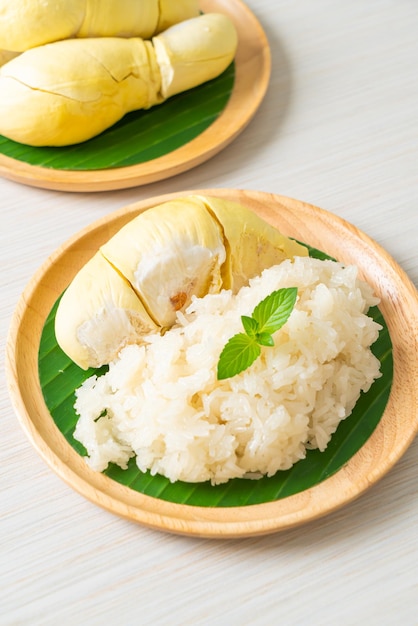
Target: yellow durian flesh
253,244
25,24
151,268
120,18
174,12
69,91
194,51
98,314
169,254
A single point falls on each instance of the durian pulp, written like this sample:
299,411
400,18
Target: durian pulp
168,254
121,18
252,243
26,24
151,268
98,314
194,51
174,12
103,80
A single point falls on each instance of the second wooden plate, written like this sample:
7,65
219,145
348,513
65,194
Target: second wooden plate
252,74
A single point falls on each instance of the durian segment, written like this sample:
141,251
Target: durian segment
69,91
26,24
155,264
120,18
175,11
98,314
252,243
170,253
194,51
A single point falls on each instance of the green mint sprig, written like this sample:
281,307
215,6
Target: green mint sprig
268,317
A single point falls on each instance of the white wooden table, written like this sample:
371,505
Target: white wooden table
339,129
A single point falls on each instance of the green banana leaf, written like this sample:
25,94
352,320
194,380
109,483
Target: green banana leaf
59,377
140,136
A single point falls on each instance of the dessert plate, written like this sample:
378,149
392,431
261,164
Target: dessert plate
366,445
147,146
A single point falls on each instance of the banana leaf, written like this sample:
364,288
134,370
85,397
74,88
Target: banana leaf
139,136
59,377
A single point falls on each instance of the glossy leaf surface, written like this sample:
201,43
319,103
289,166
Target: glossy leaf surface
60,377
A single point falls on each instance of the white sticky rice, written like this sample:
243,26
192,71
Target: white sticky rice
162,403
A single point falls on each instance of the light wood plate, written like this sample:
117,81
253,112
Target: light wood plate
316,227
252,74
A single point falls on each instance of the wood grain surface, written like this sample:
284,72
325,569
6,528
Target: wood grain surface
318,228
252,74
335,129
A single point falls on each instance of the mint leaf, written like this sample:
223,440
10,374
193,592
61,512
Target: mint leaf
238,354
264,339
274,311
268,317
250,326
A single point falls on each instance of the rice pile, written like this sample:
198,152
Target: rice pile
162,403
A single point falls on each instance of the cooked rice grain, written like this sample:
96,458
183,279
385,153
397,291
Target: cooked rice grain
162,403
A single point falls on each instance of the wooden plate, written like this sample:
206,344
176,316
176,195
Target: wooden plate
252,74
318,228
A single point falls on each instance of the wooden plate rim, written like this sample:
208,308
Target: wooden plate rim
252,75
315,226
